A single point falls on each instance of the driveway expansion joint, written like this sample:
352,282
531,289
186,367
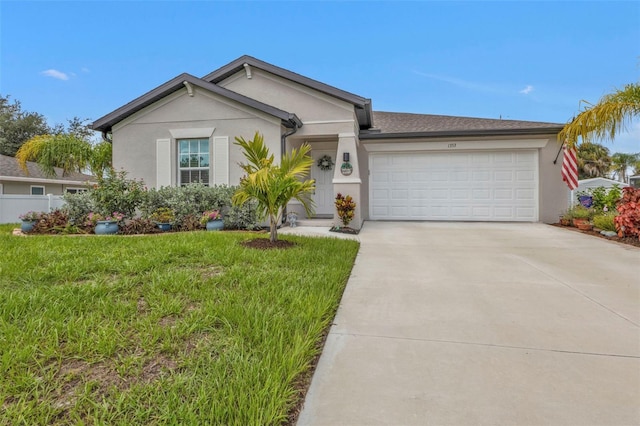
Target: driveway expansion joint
488,345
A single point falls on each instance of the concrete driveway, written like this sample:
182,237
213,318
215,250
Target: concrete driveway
479,323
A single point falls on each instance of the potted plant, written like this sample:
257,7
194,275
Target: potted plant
581,217
104,224
164,218
212,219
566,218
29,219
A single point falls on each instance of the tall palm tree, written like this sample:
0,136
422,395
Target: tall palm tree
621,162
273,186
605,119
593,160
67,151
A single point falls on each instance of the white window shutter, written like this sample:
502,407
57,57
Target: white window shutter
221,160
163,162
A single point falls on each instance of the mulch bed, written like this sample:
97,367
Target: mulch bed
344,230
266,244
623,240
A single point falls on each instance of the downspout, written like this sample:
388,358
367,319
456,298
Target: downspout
283,150
106,136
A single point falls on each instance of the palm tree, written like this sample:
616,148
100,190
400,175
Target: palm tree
605,119
273,186
593,160
69,152
621,162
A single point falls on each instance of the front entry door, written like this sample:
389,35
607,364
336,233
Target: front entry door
323,196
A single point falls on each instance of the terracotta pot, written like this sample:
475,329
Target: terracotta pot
585,226
578,221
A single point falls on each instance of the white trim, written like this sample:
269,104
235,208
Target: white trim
453,145
220,161
44,192
327,122
163,163
346,135
346,180
44,180
192,132
66,190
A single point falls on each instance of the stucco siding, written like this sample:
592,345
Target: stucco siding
321,113
135,139
553,192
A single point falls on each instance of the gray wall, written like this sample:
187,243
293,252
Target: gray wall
134,139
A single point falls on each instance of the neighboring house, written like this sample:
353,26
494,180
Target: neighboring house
402,166
586,184
634,181
15,181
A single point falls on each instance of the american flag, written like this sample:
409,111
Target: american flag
570,168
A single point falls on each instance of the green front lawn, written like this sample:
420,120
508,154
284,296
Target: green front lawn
182,328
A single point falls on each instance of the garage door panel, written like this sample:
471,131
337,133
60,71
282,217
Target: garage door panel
454,186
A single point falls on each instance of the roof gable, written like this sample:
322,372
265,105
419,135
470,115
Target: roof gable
105,123
362,105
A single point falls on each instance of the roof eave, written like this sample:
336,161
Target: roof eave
238,65
461,133
105,123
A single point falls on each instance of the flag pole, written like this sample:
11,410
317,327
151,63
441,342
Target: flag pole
558,154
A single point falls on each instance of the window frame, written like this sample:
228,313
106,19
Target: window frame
190,168
44,192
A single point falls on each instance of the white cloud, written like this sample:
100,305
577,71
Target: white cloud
84,69
55,74
527,90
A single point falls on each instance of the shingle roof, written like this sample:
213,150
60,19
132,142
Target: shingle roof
9,167
398,123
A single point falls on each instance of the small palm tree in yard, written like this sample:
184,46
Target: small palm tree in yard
274,186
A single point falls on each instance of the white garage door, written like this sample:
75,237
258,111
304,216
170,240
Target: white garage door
469,186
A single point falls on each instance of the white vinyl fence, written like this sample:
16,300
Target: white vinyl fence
12,206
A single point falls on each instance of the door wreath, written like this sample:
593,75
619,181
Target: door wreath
325,163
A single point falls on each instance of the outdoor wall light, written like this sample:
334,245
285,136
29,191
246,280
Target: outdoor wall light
345,157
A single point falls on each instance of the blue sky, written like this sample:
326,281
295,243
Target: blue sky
516,60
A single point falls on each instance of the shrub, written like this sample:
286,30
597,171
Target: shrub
138,226
242,217
581,212
192,199
190,223
346,208
604,199
78,205
605,221
116,193
56,222
163,215
628,221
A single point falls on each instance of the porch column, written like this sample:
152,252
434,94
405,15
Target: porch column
348,184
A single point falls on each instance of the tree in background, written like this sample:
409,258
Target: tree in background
273,186
18,126
621,162
593,160
66,151
605,119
